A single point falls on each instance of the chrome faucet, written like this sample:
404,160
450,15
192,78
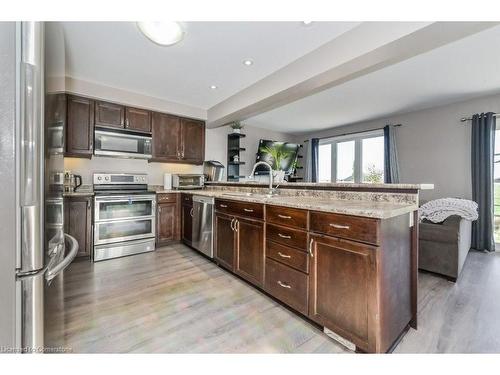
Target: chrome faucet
271,190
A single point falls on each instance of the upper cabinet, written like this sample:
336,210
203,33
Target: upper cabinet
175,139
138,120
79,127
192,141
109,115
178,140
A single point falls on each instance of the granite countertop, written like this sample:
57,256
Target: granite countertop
378,210
329,184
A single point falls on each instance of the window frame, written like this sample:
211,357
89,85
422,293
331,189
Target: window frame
358,151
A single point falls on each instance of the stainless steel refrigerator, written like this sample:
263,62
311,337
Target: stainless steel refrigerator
34,248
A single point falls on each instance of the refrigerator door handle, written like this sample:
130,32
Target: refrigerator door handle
53,272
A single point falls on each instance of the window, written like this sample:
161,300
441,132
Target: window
355,158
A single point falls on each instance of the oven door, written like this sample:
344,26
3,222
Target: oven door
122,145
123,230
124,207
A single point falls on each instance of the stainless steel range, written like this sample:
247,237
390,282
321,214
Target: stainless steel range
124,215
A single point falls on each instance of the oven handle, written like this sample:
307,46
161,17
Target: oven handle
123,198
123,219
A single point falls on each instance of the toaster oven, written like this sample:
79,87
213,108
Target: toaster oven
188,181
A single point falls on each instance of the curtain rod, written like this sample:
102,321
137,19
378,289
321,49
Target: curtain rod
361,132
464,119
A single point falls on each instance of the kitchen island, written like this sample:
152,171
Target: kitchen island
342,255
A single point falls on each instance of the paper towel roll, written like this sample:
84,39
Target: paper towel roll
167,181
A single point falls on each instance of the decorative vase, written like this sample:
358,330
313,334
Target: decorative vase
236,158
237,131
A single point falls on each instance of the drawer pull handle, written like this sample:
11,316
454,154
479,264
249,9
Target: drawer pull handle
284,255
223,205
247,210
340,226
284,285
284,216
284,236
310,247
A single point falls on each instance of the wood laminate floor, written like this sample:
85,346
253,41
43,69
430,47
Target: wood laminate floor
176,301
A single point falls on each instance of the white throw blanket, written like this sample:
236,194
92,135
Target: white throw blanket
440,209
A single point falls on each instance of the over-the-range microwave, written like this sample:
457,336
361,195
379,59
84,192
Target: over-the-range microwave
122,144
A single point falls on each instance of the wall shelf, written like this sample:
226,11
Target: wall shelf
234,149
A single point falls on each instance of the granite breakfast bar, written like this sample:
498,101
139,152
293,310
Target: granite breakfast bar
342,255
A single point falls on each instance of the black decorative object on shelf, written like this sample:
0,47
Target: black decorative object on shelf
234,161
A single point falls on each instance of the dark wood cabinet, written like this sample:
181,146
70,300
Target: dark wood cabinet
79,127
138,120
167,219
343,288
187,219
225,240
177,140
249,262
109,115
192,146
78,222
166,137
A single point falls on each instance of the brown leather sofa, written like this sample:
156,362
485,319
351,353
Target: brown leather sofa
443,247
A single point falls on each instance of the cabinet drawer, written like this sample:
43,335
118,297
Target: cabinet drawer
288,255
287,216
350,227
287,236
288,285
163,198
245,209
187,199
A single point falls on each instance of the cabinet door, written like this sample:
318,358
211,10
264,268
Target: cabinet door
250,250
187,224
342,288
193,141
80,127
166,137
166,222
78,222
109,115
138,120
224,241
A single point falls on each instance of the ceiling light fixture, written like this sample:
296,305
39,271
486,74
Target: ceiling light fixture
247,62
213,87
162,33
307,23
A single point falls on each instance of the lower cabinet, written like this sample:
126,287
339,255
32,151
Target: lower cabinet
78,222
187,222
239,246
225,241
249,262
166,223
342,288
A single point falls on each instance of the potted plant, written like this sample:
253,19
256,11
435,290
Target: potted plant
236,126
278,154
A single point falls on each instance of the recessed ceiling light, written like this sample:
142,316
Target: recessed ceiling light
213,87
162,33
248,62
307,23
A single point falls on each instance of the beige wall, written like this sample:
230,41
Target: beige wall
433,145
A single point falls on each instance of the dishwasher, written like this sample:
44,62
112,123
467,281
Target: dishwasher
202,229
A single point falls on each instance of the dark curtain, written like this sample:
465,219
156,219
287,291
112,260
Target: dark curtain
391,167
314,159
482,158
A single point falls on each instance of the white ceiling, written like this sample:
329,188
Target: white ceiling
464,69
116,54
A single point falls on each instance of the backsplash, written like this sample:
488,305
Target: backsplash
155,171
